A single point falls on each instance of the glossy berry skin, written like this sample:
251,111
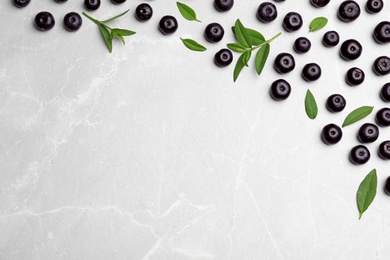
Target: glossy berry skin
280,90
384,153
330,39
348,11
302,45
214,32
385,92
319,3
143,12
72,21
355,76
92,5
374,6
331,134
351,50
21,3
381,66
223,58
382,32
118,1
44,21
60,1
382,117
387,186
284,63
266,12
359,155
168,25
292,22
336,103
223,5
368,133
311,72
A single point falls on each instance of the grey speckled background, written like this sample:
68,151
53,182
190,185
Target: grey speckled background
152,152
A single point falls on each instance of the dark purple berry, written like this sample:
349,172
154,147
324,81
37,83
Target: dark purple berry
21,3
385,92
354,76
279,1
383,117
284,63
311,72
223,58
223,5
266,12
359,155
72,21
44,21
384,152
143,12
60,1
381,66
368,133
280,90
331,39
302,45
92,5
331,134
336,103
381,32
351,50
168,25
292,22
387,186
214,32
118,1
348,11
374,6
319,3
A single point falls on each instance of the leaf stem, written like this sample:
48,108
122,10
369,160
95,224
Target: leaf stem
90,18
115,17
264,43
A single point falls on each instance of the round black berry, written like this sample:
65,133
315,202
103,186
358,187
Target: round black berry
72,21
336,103
60,1
168,25
223,5
214,32
143,12
359,155
280,90
387,186
223,58
331,134
92,5
292,22
348,11
266,12
368,133
351,50
21,3
383,117
385,92
382,32
384,152
311,72
354,76
302,45
278,1
44,21
381,66
319,3
374,6
118,1
330,39
284,63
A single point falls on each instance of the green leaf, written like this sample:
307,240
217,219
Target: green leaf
311,105
122,32
357,115
115,17
242,61
366,192
246,57
242,35
236,47
261,58
187,12
193,45
120,37
256,37
318,23
106,36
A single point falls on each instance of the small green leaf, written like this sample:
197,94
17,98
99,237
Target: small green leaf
246,57
236,47
261,58
187,12
366,192
256,37
311,105
357,115
241,61
242,35
120,37
123,32
193,45
106,36
318,23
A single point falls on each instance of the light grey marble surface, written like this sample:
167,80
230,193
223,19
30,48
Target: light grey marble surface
152,152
